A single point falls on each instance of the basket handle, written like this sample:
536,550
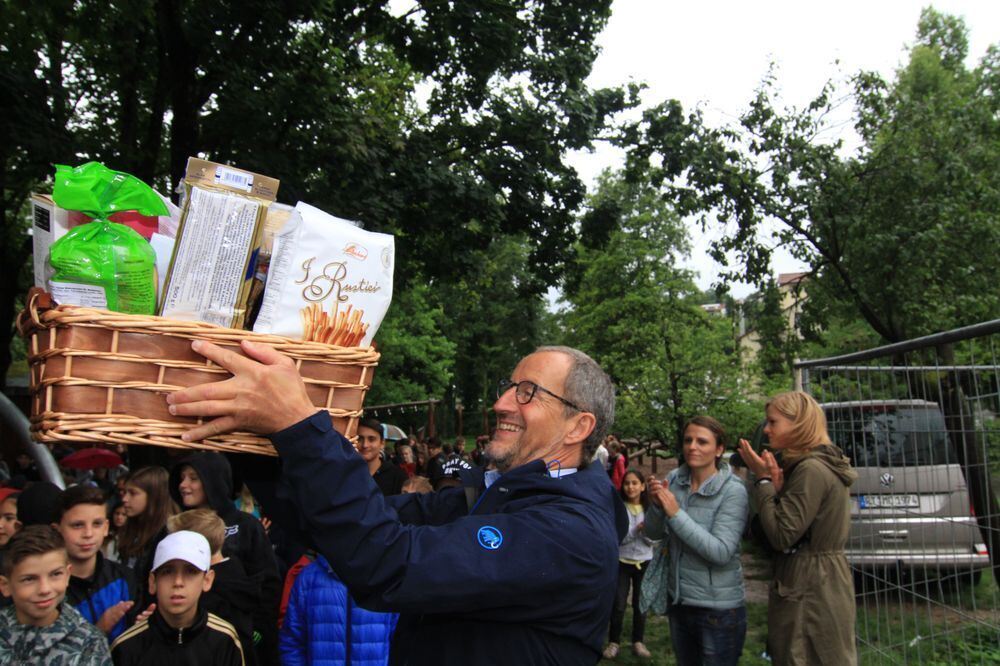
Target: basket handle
37,302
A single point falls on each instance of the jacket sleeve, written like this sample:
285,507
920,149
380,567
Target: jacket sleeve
95,653
785,519
437,508
719,544
292,638
389,566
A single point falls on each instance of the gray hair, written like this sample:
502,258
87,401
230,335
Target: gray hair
589,387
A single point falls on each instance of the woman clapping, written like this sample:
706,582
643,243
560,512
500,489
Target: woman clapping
701,510
805,514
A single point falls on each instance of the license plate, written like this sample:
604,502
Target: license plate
888,501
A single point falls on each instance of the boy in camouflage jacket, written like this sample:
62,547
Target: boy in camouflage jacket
39,628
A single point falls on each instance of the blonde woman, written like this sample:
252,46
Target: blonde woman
804,509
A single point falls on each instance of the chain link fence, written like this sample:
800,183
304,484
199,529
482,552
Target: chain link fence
920,421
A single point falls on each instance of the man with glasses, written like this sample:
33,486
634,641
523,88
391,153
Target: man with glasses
518,566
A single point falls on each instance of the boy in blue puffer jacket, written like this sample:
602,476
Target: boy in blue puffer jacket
323,625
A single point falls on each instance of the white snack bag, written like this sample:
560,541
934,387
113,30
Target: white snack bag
329,281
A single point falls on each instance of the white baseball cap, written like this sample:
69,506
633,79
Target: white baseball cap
183,545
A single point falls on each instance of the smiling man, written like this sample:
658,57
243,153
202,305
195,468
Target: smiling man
518,566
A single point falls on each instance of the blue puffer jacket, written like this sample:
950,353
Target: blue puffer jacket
323,625
704,540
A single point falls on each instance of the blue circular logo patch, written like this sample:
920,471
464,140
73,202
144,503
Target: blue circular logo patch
489,537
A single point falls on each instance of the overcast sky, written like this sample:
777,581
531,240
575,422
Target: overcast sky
714,54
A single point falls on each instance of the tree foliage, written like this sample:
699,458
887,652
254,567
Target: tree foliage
638,314
891,231
445,124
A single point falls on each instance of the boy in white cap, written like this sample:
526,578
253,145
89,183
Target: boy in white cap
180,631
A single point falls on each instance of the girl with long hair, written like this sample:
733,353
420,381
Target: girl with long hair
147,505
804,509
701,510
635,552
116,521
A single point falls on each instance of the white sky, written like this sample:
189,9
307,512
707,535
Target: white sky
714,53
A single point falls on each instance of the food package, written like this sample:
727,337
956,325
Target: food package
102,263
212,267
329,280
49,223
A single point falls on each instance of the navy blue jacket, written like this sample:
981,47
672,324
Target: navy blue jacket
110,583
325,627
527,577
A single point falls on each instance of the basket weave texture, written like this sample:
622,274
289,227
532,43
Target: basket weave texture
100,376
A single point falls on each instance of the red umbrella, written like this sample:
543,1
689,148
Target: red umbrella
91,458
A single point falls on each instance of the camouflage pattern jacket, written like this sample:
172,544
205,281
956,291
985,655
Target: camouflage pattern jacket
69,641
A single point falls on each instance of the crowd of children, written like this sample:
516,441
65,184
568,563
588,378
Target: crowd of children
174,564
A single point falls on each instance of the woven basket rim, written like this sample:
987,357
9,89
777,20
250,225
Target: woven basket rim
37,317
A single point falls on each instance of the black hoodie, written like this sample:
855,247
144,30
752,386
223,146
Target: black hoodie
245,537
235,597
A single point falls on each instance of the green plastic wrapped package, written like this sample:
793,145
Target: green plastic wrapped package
102,263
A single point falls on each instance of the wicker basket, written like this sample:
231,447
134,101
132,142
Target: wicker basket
100,376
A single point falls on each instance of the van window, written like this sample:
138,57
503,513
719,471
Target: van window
890,435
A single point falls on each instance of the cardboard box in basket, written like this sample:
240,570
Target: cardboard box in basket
100,376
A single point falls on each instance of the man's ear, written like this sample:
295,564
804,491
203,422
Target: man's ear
583,425
152,584
209,579
5,586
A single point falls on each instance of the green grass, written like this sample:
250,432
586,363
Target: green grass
894,631
897,629
657,639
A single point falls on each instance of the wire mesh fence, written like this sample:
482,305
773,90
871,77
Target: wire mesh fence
920,421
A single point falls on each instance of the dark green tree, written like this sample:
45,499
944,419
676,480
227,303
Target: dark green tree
445,124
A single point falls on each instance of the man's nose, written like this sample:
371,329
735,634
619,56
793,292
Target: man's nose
506,402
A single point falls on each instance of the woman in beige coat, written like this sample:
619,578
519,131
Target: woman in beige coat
804,509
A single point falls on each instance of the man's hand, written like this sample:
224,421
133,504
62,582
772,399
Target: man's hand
113,615
263,395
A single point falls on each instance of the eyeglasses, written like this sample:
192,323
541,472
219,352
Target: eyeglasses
524,391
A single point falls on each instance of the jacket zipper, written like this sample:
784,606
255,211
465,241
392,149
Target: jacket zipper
180,637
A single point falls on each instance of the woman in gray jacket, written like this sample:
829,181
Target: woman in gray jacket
701,511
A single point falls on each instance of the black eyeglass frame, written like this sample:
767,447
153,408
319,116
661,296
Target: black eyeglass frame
505,385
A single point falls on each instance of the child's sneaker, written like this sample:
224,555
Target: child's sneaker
641,650
611,651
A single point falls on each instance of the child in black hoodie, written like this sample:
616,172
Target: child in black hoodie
204,480
235,597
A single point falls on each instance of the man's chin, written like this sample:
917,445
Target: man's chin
501,456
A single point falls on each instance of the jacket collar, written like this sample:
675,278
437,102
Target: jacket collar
85,584
710,487
12,632
179,636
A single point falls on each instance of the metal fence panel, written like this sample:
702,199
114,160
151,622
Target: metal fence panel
921,423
